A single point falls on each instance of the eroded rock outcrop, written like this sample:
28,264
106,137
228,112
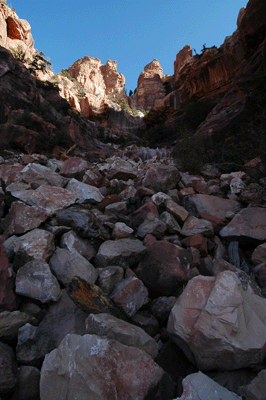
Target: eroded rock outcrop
101,84
220,82
150,89
15,33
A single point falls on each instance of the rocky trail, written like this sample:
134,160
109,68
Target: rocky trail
128,271
121,278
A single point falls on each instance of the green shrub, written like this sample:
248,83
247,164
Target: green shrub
39,63
47,85
19,53
80,92
66,74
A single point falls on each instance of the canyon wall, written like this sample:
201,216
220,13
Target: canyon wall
15,32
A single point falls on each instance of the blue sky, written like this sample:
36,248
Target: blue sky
132,32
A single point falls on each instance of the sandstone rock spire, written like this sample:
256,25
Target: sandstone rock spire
150,90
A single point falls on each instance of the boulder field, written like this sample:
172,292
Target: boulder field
120,279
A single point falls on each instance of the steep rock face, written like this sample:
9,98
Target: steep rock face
150,90
233,106
252,25
15,32
182,57
114,81
221,78
101,83
252,31
206,73
22,100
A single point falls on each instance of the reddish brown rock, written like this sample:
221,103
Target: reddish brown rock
7,294
110,199
202,75
93,177
121,230
252,27
177,211
75,167
164,268
9,172
161,178
22,218
122,169
197,241
182,57
186,192
33,158
143,191
36,244
141,213
51,199
216,222
193,226
201,187
18,137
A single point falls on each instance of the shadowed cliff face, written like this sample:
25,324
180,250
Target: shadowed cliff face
216,89
212,91
34,117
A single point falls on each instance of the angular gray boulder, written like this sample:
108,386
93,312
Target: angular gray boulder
121,252
122,331
37,244
200,387
35,280
66,264
85,193
218,324
248,225
215,206
96,368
